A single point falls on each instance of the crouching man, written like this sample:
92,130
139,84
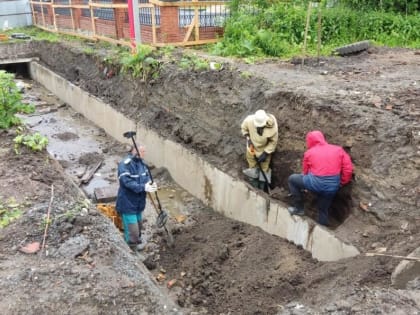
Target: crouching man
326,167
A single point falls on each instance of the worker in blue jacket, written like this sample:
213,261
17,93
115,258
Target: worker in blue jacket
135,183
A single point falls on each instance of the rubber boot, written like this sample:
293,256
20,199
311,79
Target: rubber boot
254,182
133,234
251,172
140,225
298,208
142,241
267,175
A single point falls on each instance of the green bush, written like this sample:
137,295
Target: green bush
11,101
278,29
141,64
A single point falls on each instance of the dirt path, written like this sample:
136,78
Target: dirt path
368,103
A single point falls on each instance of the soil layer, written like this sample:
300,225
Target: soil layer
368,103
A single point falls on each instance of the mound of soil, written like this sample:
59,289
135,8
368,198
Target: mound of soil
367,103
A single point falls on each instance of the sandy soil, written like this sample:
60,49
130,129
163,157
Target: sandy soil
369,103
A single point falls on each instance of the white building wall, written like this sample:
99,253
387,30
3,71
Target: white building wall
15,13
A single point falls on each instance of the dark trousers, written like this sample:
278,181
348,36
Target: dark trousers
324,199
296,186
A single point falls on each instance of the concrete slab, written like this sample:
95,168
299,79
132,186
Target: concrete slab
106,194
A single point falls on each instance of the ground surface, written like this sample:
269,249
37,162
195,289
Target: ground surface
368,103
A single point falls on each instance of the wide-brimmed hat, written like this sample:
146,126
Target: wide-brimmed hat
260,118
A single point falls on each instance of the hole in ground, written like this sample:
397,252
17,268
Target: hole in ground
21,70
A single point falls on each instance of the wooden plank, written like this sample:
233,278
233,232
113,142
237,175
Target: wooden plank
89,174
42,13
54,18
197,22
73,6
190,43
394,256
190,29
114,41
92,17
188,4
106,194
109,6
72,18
33,13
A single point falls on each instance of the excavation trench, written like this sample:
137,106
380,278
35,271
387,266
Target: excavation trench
218,190
78,144
237,250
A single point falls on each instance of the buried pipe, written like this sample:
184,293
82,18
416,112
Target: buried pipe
225,194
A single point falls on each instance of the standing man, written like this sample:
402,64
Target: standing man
135,183
326,168
261,132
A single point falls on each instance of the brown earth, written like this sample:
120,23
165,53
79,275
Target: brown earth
369,103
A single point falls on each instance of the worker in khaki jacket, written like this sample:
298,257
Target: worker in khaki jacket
261,132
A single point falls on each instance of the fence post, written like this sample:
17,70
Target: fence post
92,17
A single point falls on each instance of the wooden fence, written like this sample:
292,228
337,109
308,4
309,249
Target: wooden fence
178,23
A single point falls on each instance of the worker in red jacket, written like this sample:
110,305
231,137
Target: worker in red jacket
326,167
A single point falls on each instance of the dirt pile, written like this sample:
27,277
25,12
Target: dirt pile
367,103
85,267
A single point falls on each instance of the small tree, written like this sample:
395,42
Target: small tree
10,101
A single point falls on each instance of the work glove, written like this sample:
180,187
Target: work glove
150,187
262,157
249,142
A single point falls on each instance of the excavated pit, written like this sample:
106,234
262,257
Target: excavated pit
221,265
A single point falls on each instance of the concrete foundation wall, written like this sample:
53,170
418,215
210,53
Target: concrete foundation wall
223,193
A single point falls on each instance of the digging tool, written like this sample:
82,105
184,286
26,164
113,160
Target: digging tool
159,221
251,149
394,256
162,217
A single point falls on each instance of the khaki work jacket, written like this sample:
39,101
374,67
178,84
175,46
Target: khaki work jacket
268,140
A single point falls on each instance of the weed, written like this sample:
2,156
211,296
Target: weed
141,64
9,212
193,62
89,50
35,142
11,101
246,74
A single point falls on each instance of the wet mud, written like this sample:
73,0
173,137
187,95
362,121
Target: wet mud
367,103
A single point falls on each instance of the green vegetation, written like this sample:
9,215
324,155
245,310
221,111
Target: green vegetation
9,212
73,211
39,34
11,101
141,64
35,142
246,74
193,62
274,28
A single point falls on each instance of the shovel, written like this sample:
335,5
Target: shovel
162,217
251,149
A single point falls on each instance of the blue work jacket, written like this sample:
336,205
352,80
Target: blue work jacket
133,175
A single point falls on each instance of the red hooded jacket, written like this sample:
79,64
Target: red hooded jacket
324,159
